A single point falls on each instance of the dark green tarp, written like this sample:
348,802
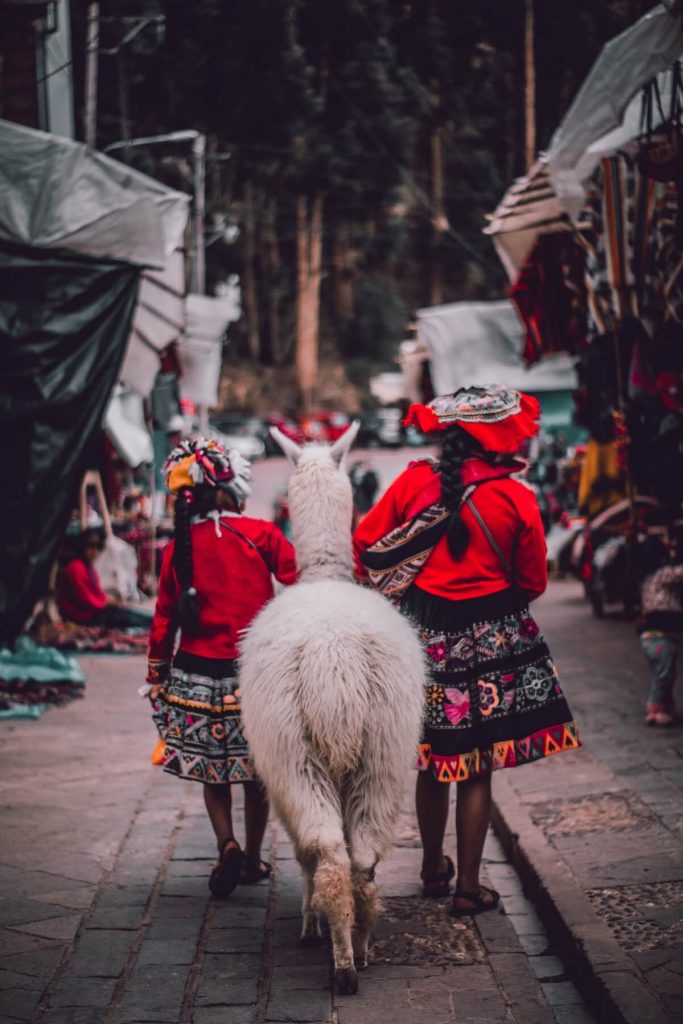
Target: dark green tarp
64,323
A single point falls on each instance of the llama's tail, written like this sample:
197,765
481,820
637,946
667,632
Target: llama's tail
334,702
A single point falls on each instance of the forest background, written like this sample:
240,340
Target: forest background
354,149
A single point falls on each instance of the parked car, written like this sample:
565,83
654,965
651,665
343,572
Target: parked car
381,428
244,424
324,426
248,445
289,427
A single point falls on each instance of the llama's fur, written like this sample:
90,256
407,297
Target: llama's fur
332,694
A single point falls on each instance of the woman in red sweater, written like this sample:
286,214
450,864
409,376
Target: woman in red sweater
80,596
493,699
216,575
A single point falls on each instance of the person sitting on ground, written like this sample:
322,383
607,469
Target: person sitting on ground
661,623
216,576
80,596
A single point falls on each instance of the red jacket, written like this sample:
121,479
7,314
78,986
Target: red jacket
508,508
80,595
233,578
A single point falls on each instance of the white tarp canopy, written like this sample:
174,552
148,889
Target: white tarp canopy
604,116
481,343
58,194
626,63
124,422
159,320
528,209
412,353
201,346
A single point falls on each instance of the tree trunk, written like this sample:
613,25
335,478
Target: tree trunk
271,266
342,275
309,276
439,218
314,282
249,292
529,87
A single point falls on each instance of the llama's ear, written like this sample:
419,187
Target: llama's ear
342,445
291,449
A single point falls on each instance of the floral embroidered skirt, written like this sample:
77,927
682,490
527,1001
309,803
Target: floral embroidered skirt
493,699
198,715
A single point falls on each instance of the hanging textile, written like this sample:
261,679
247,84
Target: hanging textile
550,296
601,483
627,228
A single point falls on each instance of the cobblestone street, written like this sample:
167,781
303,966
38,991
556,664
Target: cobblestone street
106,918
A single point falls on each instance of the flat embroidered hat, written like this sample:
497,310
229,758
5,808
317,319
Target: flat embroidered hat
501,419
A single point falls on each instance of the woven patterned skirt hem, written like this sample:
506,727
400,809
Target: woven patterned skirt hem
236,769
502,754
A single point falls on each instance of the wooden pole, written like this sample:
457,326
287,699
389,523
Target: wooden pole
91,52
439,218
529,86
198,214
314,282
249,276
309,242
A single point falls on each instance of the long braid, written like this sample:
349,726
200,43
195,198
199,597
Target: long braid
187,609
457,446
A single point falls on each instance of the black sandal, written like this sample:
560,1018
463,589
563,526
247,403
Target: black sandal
252,875
478,899
437,886
226,874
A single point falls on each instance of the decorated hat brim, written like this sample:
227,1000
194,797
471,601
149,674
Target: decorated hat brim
505,436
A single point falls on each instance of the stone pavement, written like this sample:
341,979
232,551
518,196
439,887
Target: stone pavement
598,832
105,916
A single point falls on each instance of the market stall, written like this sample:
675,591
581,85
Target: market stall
76,230
592,241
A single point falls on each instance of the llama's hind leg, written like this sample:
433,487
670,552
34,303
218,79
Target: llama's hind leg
366,907
309,804
364,857
368,832
310,918
334,896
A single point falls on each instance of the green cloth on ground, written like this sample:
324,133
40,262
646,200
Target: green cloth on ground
22,711
28,661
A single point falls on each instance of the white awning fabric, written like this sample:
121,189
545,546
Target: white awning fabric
59,194
604,116
201,347
124,422
609,98
528,209
481,343
159,320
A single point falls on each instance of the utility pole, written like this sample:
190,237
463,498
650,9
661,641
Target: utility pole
91,53
529,87
199,212
198,244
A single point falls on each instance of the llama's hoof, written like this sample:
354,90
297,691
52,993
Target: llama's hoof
361,962
310,930
347,980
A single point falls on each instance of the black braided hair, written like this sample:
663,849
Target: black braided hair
457,447
187,609
189,502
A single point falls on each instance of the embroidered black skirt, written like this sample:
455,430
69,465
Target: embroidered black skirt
198,715
493,699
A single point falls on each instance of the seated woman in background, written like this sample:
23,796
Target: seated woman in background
80,596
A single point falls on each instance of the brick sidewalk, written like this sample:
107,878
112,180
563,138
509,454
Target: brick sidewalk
105,918
601,829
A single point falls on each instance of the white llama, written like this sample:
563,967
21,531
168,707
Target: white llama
332,695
